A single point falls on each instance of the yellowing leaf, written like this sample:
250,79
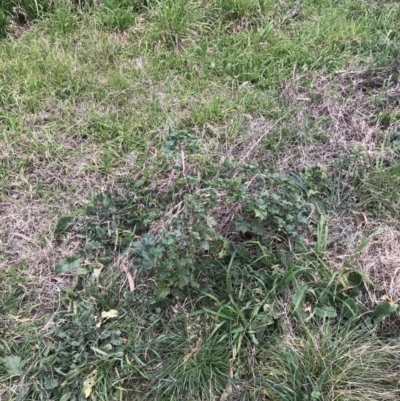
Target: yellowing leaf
87,389
89,383
110,314
96,272
324,170
261,214
223,251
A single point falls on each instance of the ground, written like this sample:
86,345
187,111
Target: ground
199,200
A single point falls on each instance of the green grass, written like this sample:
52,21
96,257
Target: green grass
328,363
229,173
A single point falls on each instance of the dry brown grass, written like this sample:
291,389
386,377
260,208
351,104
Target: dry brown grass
342,108
30,206
380,260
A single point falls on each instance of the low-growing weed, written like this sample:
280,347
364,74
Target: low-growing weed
232,275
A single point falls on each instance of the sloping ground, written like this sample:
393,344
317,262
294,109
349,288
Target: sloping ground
230,175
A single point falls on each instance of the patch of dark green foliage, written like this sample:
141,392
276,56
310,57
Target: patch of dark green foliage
227,244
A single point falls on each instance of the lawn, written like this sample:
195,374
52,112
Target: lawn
199,200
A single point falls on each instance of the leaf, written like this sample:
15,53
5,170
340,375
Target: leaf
116,340
223,250
146,261
66,396
97,271
254,339
227,392
350,308
241,225
23,393
99,232
205,245
325,311
382,310
211,222
219,314
82,271
261,214
50,383
89,383
13,365
162,291
112,313
354,279
69,264
90,210
64,224
107,347
298,296
106,201
94,245
257,227
105,260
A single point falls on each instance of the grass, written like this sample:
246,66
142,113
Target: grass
328,363
199,200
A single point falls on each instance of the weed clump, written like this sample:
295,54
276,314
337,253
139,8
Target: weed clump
232,275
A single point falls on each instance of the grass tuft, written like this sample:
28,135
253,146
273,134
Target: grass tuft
326,363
